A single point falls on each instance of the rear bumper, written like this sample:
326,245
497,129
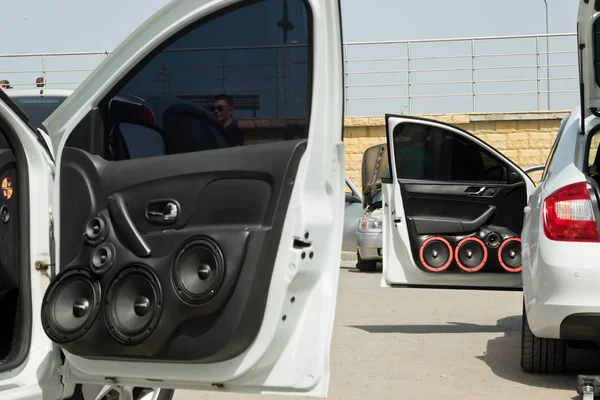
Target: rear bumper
369,244
585,326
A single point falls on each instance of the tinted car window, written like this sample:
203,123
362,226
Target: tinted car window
257,60
38,108
425,152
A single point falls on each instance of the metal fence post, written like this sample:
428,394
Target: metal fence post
408,78
346,89
473,72
537,63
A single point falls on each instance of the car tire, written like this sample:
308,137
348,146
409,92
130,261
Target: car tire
541,355
365,265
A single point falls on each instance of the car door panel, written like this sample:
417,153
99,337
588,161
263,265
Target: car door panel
460,231
238,208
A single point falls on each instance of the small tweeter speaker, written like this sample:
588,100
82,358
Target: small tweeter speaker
471,254
493,240
70,305
509,255
133,304
103,257
198,271
96,229
436,254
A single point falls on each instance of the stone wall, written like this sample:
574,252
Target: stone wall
526,138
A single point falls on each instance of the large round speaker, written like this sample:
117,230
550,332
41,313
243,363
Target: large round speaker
70,305
436,254
198,271
471,254
133,305
509,255
103,257
96,229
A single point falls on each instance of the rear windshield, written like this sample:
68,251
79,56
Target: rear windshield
38,109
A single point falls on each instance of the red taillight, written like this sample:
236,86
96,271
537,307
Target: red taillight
569,215
146,115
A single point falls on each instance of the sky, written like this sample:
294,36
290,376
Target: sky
84,25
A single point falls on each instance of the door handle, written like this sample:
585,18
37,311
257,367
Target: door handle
163,211
475,191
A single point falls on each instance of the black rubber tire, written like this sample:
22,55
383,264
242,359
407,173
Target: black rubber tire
365,265
541,355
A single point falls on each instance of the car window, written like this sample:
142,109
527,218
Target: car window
425,152
38,108
240,79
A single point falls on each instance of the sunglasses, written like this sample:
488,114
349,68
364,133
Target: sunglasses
216,108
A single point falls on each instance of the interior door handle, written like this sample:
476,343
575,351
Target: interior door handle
164,211
475,191
126,231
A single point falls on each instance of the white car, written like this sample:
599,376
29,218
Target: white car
459,214
119,271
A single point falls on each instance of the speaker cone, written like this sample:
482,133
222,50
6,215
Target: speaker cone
509,255
103,257
436,254
70,305
133,305
471,254
493,240
96,229
198,271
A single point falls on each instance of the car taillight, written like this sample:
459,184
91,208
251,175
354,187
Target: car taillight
569,216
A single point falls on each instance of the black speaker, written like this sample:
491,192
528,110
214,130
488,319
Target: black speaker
198,271
103,257
133,304
96,229
509,255
493,240
471,254
70,305
436,254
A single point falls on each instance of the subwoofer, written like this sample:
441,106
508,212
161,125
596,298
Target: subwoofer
103,257
96,229
198,271
133,304
471,254
436,254
70,305
509,255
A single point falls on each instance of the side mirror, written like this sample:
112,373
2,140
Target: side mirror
140,140
350,198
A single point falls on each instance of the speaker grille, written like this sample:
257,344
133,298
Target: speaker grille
70,305
103,257
133,305
198,271
471,254
509,255
436,254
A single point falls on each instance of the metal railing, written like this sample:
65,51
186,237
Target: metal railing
476,74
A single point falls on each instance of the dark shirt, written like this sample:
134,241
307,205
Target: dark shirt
235,133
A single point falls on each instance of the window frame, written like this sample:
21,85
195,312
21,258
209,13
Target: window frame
559,134
103,104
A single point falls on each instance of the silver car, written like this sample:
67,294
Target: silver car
369,236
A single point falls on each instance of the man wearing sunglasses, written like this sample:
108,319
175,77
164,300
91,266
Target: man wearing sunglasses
222,109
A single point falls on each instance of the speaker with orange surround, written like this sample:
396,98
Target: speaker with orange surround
436,254
471,254
509,255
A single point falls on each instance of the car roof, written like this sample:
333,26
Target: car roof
38,92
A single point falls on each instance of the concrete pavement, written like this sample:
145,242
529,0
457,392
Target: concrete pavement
411,343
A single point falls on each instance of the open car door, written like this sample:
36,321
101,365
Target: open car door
453,209
190,262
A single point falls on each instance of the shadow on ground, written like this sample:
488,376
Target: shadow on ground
503,353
